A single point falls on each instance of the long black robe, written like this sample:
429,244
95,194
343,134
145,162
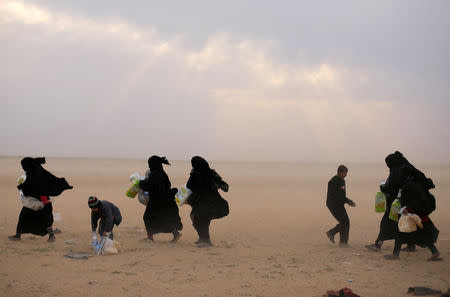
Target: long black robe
388,227
415,197
205,199
39,184
395,162
35,222
161,214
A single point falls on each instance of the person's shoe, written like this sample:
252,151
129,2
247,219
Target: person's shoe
14,237
373,247
330,236
57,231
148,239
435,257
176,237
204,244
201,240
51,238
391,257
344,245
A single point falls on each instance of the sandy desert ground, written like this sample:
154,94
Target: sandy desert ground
271,244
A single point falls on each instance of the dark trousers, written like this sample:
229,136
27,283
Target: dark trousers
340,214
201,225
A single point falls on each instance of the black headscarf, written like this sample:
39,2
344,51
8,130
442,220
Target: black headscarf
155,162
200,166
396,160
40,182
157,182
30,164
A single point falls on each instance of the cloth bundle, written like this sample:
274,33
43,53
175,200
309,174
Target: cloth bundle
29,202
408,223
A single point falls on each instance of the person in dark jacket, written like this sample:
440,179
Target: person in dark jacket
161,214
388,227
39,184
108,214
336,199
206,202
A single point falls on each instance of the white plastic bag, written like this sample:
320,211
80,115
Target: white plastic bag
182,196
143,197
106,246
134,189
30,202
22,179
408,223
111,247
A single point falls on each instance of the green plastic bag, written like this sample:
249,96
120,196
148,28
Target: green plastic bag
380,202
133,190
395,209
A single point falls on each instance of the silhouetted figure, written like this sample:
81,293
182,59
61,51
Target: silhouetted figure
336,200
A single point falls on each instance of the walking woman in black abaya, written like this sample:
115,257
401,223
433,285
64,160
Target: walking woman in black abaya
161,214
39,184
206,202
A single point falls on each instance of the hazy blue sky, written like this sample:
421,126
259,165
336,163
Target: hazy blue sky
235,80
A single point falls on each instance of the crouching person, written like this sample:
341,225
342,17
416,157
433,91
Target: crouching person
108,214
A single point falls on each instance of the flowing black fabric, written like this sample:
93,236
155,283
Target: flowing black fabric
205,199
35,222
422,237
40,182
388,227
403,173
395,162
415,195
161,214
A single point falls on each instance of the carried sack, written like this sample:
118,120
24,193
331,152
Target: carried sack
30,202
408,223
134,189
183,194
143,197
380,202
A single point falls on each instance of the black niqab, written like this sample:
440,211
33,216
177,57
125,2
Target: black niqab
200,165
155,163
395,160
40,182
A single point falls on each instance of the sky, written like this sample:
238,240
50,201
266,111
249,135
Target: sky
289,81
